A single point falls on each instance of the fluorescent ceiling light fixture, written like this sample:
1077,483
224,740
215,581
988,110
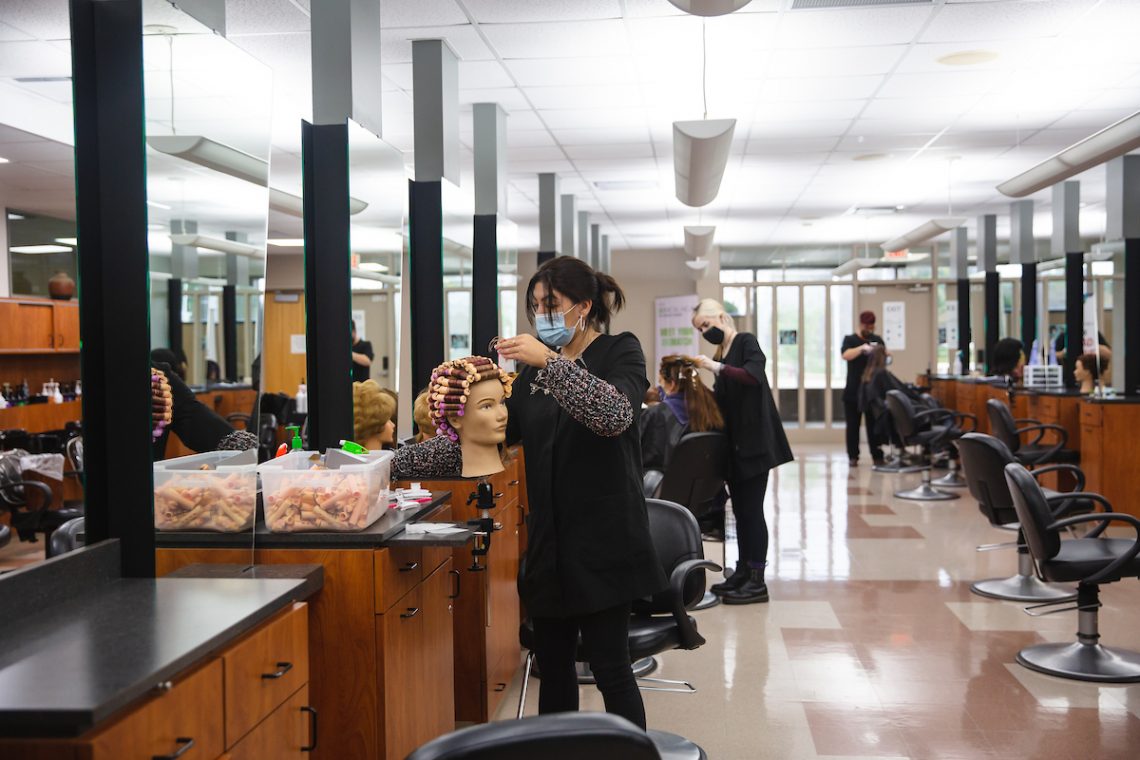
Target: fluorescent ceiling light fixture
1112,141
700,153
852,266
698,241
3,160
40,249
16,217
922,233
156,204
363,274
1105,251
287,242
68,241
294,205
372,266
968,57
710,7
698,264
218,244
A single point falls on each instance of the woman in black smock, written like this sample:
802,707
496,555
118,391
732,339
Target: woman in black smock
756,441
589,550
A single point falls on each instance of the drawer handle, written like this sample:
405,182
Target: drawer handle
282,669
500,687
409,567
312,728
411,613
498,526
458,578
513,483
184,744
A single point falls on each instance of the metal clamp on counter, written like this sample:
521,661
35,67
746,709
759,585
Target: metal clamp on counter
484,498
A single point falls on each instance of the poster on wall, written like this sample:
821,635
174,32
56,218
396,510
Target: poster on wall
361,327
948,333
673,328
894,325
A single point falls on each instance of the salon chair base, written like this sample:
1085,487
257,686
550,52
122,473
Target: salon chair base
1083,662
641,668
1022,588
925,492
897,464
710,600
673,747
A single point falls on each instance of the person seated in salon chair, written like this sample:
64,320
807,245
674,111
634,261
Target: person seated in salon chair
1007,359
687,406
873,387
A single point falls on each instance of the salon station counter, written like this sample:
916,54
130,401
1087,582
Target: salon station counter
94,665
1100,428
407,636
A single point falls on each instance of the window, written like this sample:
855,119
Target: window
39,248
728,276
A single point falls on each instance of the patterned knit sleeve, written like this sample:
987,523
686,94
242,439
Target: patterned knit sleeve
590,400
438,457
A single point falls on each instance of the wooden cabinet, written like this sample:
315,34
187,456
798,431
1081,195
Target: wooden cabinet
222,705
486,615
381,683
29,326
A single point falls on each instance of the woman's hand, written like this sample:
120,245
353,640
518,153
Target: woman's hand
526,349
705,362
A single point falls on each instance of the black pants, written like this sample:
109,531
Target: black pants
852,414
751,527
605,639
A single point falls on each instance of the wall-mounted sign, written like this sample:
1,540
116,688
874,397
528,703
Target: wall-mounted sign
894,325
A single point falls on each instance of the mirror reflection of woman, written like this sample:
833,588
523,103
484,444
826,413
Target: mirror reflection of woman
589,552
756,440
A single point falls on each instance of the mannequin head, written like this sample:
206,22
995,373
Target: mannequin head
467,402
1087,371
372,411
425,427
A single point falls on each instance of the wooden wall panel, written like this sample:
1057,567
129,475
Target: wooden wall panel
283,370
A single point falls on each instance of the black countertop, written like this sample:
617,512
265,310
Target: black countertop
68,664
1113,400
388,530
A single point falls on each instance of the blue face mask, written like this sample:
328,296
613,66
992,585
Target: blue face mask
552,329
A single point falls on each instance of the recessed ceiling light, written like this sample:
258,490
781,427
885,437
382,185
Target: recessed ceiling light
968,57
3,160
16,217
287,242
630,184
40,249
870,156
68,241
373,266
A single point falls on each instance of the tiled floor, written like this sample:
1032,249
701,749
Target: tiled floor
873,645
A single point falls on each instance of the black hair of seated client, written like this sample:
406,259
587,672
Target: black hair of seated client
1005,356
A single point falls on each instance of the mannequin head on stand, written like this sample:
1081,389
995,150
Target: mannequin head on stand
467,400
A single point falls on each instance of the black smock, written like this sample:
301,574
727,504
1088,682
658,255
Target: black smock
752,422
857,366
588,541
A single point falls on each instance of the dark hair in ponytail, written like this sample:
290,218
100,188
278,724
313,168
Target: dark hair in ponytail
704,413
578,281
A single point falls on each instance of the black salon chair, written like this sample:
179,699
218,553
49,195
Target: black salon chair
562,736
271,409
932,429
663,622
14,438
984,459
65,538
1029,453
695,475
1088,562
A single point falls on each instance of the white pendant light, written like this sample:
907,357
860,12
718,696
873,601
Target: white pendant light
698,265
699,240
1112,141
852,266
710,7
700,153
922,233
221,245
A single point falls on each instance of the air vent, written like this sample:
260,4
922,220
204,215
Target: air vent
808,5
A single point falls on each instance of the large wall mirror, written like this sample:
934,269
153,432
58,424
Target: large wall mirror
41,413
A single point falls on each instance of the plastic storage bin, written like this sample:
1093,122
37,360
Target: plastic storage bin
344,493
215,491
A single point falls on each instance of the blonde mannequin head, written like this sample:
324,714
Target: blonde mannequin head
372,411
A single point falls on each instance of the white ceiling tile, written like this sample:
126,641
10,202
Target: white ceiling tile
858,144
420,13
766,127
584,97
1123,97
808,109
522,121
536,167
1005,20
510,98
593,118
909,111
43,19
849,61
818,88
1091,120
33,59
789,144
535,72
9,33
650,8
846,27
513,11
602,136
258,17
539,153
621,150
1011,54
396,44
946,83
528,139
482,75
569,39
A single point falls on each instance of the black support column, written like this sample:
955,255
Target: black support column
229,332
328,344
114,301
485,285
1131,303
987,260
1122,203
425,225
173,315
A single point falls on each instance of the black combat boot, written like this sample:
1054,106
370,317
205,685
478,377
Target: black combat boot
734,581
752,591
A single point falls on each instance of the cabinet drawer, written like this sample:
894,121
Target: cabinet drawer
1091,414
264,668
191,712
289,731
1048,408
398,570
